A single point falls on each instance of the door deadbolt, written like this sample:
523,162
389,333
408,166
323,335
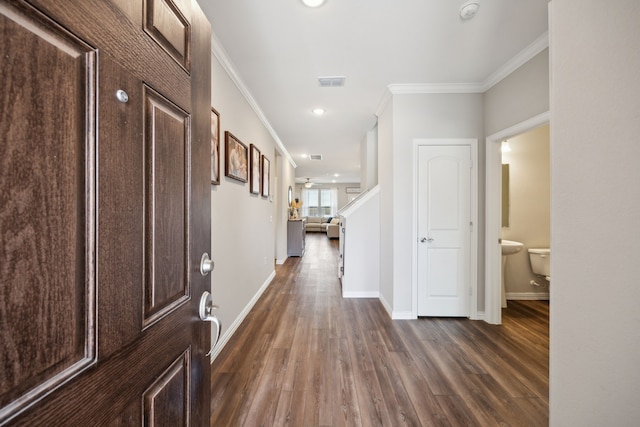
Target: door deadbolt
206,264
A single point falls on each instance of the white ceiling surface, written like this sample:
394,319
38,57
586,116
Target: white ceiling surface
278,49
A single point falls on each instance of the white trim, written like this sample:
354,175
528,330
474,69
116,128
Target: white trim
281,261
525,55
403,315
224,339
218,51
473,250
528,296
525,126
386,306
386,98
370,294
492,227
521,58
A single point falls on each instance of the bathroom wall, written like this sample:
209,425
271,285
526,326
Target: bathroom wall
529,181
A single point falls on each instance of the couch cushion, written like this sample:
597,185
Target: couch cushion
313,220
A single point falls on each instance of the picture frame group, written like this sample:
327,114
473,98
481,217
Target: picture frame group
241,163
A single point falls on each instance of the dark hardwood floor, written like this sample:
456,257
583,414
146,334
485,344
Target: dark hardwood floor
304,356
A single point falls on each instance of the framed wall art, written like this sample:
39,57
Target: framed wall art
254,183
236,157
215,147
266,170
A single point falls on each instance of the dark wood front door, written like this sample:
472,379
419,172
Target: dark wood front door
104,212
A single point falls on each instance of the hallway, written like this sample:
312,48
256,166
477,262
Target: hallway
304,356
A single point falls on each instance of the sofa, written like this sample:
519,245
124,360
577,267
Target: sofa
333,230
317,224
324,224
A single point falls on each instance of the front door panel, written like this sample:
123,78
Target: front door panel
47,217
99,252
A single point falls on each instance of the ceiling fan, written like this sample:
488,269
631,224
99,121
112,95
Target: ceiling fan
308,183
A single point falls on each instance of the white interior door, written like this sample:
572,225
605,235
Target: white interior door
444,230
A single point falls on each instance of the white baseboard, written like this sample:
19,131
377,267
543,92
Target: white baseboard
395,315
479,316
402,315
280,261
530,296
226,336
386,306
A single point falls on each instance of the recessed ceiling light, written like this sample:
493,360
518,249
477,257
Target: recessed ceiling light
318,111
313,3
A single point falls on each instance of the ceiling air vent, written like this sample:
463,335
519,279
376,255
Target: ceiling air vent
315,156
334,81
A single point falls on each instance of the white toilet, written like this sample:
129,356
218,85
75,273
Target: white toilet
540,259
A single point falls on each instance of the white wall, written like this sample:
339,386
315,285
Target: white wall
362,245
529,214
385,182
415,116
369,160
520,96
285,178
595,213
242,224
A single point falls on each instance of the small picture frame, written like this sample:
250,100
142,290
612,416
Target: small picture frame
215,147
266,171
254,183
236,158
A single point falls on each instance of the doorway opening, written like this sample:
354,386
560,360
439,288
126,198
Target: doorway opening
493,223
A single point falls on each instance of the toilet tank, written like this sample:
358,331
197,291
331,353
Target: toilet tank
540,258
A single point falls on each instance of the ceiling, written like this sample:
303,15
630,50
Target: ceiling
279,48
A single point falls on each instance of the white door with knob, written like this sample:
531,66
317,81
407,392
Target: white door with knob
444,230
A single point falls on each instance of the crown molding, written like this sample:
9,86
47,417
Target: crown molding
525,55
218,51
521,58
386,98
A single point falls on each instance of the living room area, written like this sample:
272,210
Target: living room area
319,205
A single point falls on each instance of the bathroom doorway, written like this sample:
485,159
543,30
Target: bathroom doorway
493,223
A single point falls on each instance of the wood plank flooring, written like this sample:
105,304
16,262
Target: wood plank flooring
304,356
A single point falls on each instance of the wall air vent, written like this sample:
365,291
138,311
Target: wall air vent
331,81
315,156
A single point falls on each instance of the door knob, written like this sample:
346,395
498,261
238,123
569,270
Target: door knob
206,315
206,264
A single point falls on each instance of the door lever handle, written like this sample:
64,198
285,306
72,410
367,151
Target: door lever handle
206,315
427,239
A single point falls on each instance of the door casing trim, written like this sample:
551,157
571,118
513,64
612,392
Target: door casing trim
493,201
